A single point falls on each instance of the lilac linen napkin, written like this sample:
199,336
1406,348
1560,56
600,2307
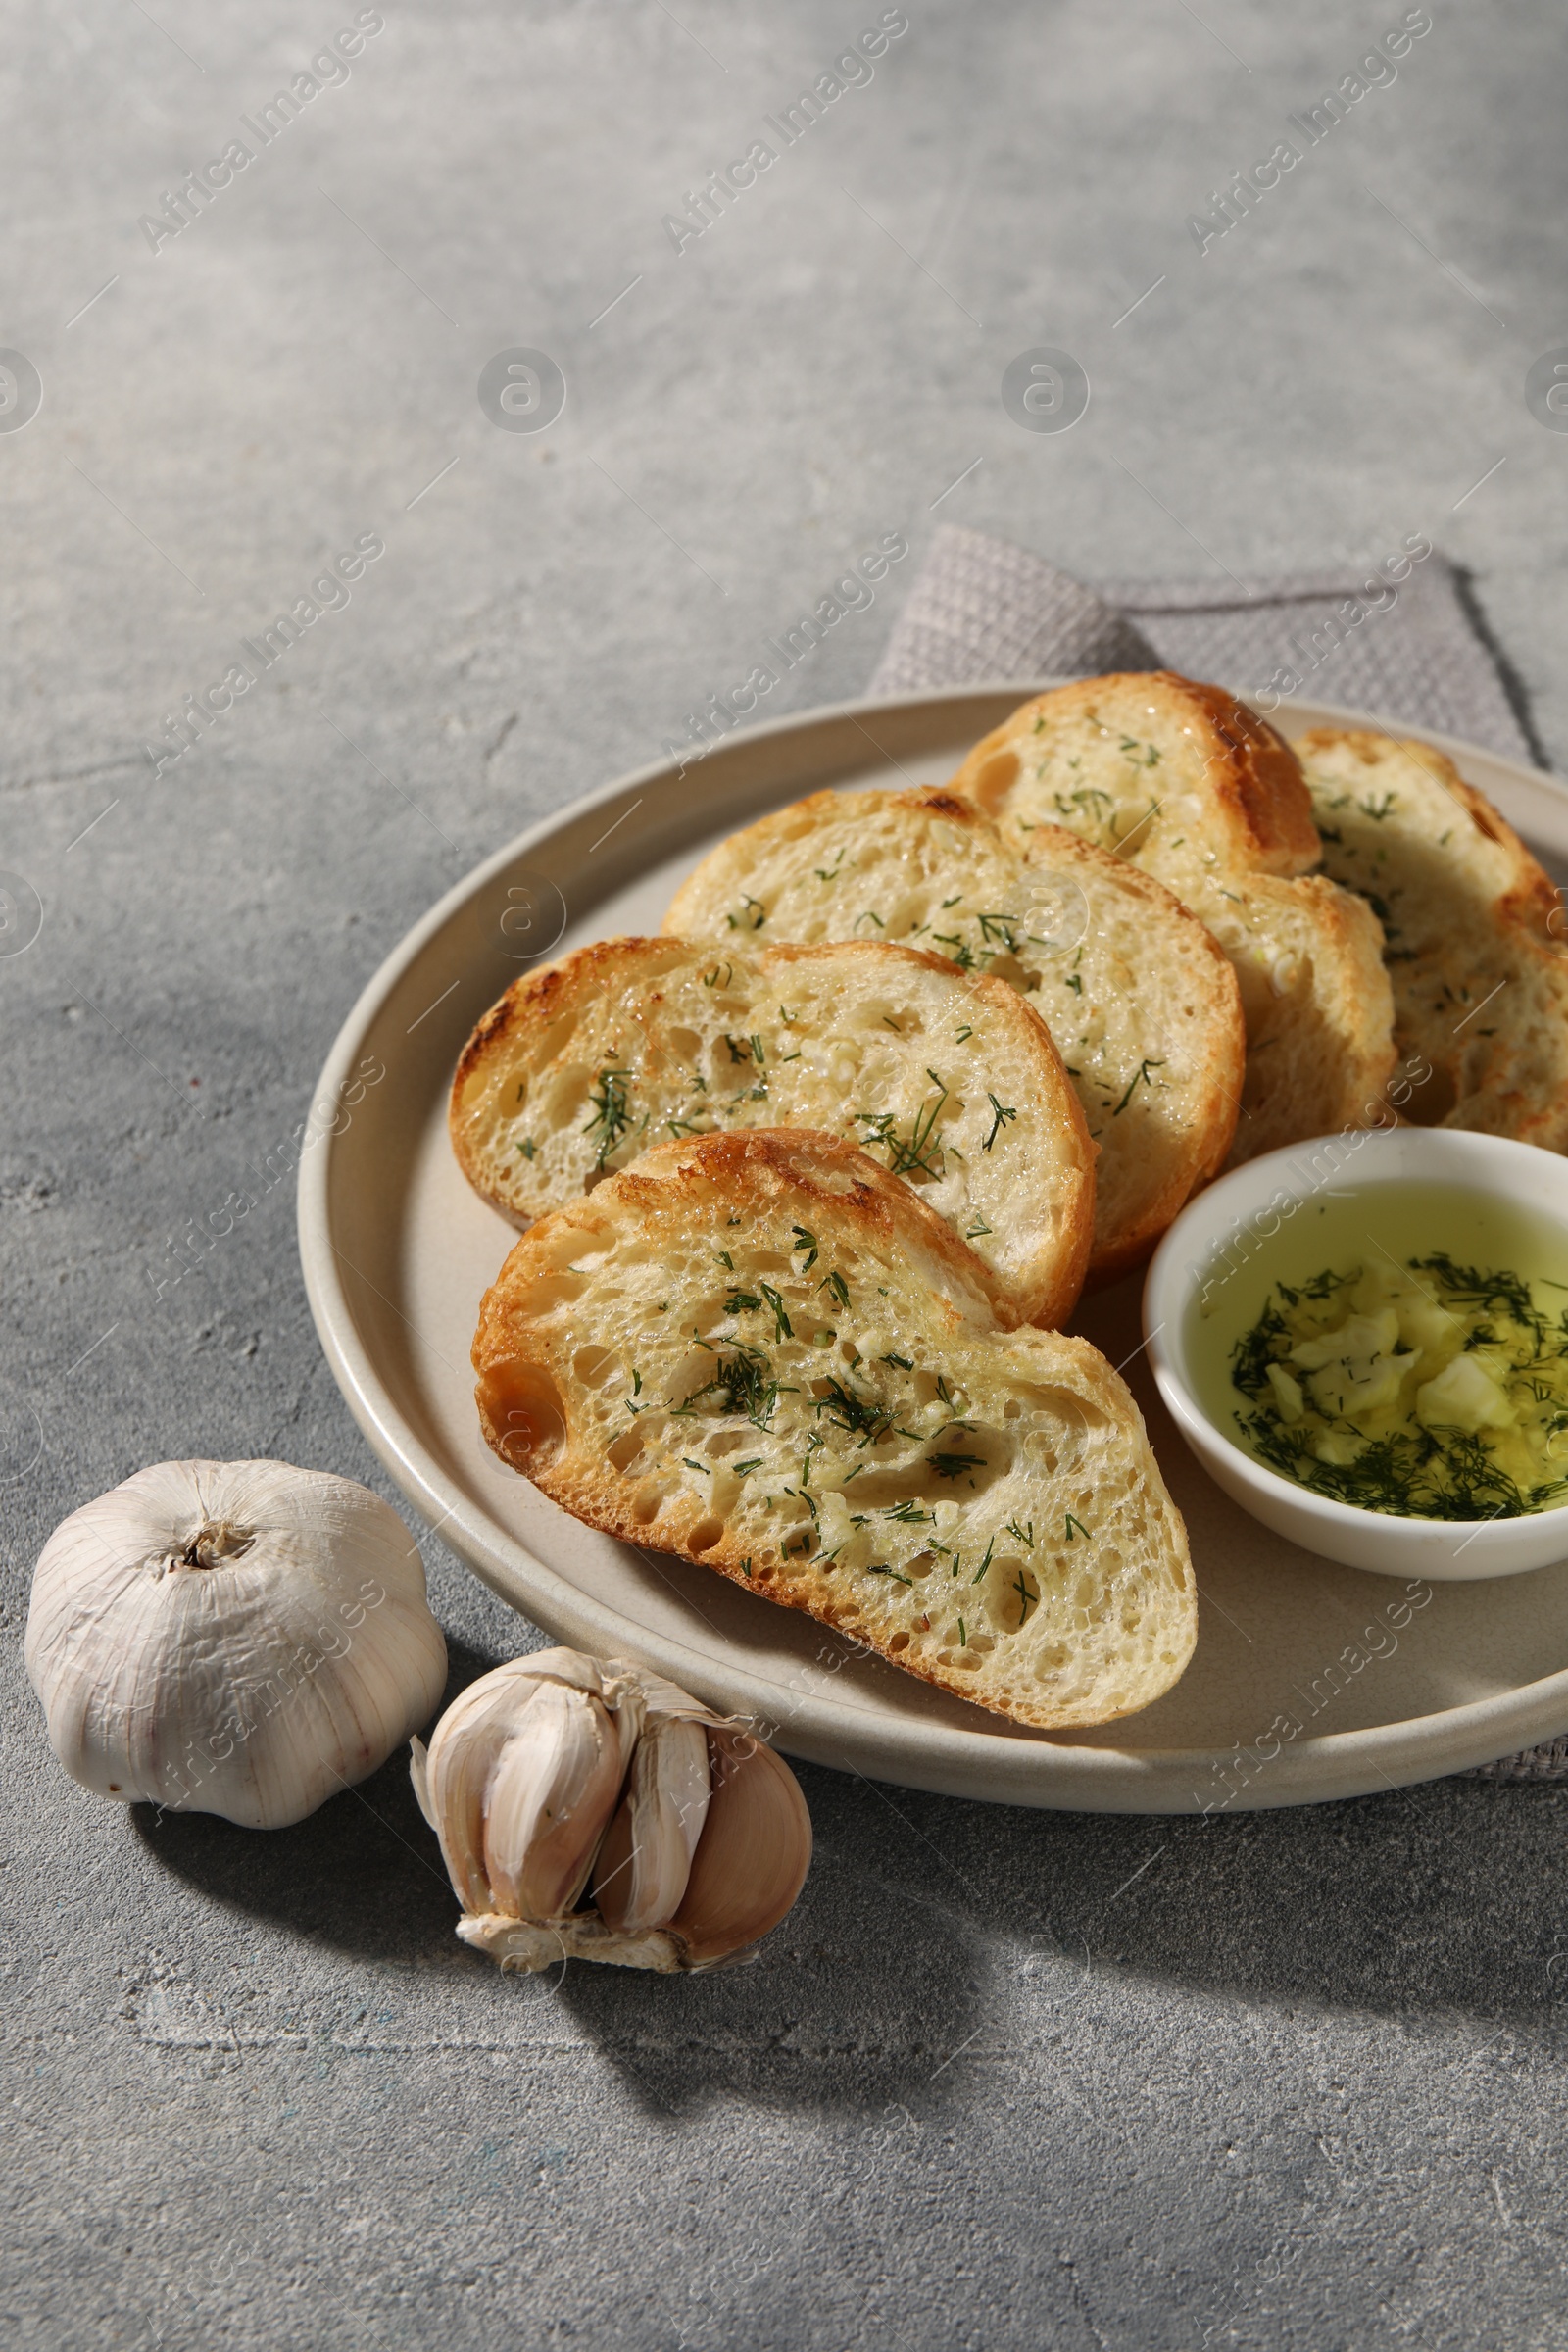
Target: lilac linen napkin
981,608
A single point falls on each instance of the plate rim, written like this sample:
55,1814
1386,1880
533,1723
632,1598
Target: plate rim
954,1761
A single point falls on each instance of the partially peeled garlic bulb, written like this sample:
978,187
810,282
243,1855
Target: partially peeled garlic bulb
555,1775
234,1637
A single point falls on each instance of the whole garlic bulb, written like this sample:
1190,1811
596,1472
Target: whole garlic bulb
234,1637
556,1770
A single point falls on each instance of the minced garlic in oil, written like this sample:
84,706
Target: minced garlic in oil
1427,1388
1397,1344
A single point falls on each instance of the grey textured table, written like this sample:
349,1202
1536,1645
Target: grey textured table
1003,2080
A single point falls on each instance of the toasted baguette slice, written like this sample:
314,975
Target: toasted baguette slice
763,1353
1189,784
1141,1006
632,1042
1476,949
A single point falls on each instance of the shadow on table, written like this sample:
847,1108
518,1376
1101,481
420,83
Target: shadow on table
1449,1896
932,1930
936,1938
845,2006
362,1877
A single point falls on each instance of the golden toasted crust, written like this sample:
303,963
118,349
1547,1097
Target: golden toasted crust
1250,775
1142,1005
980,1505
1183,780
1260,779
1476,951
529,1005
884,1046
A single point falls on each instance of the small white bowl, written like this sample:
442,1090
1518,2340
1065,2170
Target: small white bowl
1235,1216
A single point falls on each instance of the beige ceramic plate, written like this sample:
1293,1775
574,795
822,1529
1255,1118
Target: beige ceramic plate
1311,1681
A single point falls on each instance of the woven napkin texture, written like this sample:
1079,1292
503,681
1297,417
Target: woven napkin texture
981,608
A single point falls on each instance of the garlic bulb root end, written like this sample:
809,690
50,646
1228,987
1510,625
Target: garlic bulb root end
521,1948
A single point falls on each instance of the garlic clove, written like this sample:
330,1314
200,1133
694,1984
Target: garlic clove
752,1856
549,1799
453,1780
646,1857
465,1750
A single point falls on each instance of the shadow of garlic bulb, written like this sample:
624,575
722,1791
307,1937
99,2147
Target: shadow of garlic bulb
557,1779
